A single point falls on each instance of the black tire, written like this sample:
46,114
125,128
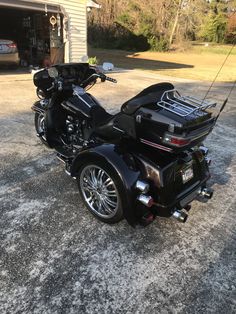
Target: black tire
39,127
116,187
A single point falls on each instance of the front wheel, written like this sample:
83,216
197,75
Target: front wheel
39,122
100,189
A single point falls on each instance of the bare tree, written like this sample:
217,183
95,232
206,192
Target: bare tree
180,4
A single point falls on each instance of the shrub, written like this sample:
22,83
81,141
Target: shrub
214,29
158,44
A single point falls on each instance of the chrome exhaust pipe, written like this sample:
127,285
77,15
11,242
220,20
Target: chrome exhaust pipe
142,186
180,216
204,150
145,200
206,193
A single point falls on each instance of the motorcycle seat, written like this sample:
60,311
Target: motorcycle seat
148,96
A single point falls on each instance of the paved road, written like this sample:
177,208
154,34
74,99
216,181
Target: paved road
57,258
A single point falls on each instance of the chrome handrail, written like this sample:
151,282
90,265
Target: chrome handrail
183,106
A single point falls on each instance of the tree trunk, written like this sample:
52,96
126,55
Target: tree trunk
176,21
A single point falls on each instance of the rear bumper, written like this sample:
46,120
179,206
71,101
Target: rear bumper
182,200
9,58
190,195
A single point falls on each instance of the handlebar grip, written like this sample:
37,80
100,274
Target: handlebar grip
111,79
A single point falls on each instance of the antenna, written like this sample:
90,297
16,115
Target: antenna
226,100
217,74
213,82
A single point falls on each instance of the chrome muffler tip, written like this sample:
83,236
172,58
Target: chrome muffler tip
180,216
204,150
145,200
142,186
207,193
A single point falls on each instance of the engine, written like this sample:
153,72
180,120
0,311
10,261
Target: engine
73,133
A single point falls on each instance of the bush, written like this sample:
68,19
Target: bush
214,29
116,37
158,44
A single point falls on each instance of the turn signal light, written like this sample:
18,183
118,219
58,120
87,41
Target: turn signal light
175,140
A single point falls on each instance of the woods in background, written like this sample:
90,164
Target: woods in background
157,24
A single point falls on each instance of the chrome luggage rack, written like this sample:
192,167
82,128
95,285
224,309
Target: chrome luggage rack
183,106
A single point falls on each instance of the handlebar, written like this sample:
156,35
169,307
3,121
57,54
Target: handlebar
58,83
95,76
110,79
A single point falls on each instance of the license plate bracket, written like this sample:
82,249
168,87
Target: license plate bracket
187,174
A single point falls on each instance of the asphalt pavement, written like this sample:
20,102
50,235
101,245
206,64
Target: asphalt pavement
55,257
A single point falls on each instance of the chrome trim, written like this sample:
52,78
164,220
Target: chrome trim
180,216
206,193
138,118
142,186
68,172
156,145
44,102
99,191
37,109
204,149
41,126
84,101
61,159
146,200
115,128
182,106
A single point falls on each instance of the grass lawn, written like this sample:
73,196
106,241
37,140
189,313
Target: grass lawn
198,63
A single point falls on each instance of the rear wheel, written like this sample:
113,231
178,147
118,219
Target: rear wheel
100,190
39,122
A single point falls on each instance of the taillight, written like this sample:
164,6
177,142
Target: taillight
12,45
173,140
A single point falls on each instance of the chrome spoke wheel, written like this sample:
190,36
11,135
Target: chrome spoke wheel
41,125
99,191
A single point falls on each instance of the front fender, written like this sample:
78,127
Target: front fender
39,106
123,164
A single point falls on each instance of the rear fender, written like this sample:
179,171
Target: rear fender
123,165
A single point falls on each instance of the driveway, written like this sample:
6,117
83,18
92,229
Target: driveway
57,258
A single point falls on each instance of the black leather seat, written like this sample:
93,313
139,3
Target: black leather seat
149,95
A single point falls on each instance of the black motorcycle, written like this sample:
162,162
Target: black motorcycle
145,161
